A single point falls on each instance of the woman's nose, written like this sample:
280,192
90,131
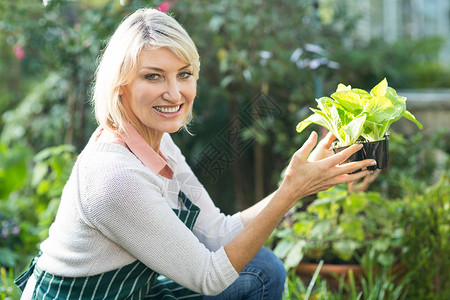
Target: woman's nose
172,92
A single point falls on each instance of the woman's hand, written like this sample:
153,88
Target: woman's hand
322,150
322,170
303,177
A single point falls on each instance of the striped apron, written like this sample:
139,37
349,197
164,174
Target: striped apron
131,282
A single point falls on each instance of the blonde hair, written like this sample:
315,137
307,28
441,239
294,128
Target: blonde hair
146,28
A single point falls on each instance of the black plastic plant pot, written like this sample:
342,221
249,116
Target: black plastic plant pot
378,150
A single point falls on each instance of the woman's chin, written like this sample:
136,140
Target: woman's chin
173,129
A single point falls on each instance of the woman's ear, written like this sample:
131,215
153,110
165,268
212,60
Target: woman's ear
121,91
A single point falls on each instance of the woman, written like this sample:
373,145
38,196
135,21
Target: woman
134,222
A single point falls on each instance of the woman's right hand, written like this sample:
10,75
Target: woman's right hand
304,177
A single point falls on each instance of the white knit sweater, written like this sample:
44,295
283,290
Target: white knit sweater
114,211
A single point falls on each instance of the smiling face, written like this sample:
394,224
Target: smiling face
161,92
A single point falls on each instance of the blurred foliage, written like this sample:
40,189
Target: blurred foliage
8,291
407,222
252,53
416,162
406,63
340,227
47,85
375,284
29,207
426,217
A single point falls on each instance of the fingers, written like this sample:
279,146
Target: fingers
308,146
336,162
347,178
323,148
353,171
328,140
356,165
304,177
342,156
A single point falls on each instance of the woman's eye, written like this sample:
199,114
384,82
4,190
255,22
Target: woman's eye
185,75
152,76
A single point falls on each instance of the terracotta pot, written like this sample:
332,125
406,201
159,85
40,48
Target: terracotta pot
331,273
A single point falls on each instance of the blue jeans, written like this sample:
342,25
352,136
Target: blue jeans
263,279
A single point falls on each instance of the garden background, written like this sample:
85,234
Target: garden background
262,65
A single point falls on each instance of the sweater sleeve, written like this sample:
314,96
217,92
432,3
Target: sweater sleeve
213,228
126,203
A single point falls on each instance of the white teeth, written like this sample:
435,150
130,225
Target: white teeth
167,109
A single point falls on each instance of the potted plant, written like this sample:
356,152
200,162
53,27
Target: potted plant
356,116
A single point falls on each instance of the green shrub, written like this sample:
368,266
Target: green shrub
29,202
416,162
426,219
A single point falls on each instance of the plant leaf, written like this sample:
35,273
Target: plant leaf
411,117
282,248
380,89
363,95
349,100
336,116
315,118
382,244
371,131
399,103
379,109
343,87
320,230
355,203
354,229
355,128
336,120
344,249
386,259
324,103
320,118
382,129
295,255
